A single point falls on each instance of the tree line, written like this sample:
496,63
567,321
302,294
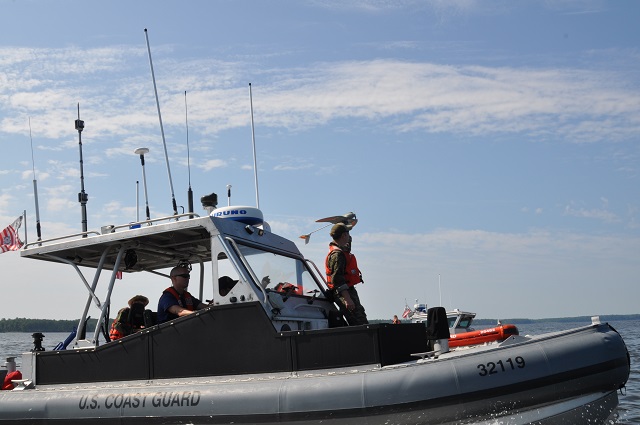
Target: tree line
47,325
38,325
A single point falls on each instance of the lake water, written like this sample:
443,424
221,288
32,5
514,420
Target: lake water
628,412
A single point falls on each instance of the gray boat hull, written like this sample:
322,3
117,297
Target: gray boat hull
561,378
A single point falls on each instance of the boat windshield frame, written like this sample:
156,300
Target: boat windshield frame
282,263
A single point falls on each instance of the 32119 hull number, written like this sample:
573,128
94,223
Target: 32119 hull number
491,368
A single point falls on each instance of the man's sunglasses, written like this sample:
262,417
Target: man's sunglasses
185,275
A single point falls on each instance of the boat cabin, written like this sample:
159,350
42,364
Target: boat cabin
460,321
277,317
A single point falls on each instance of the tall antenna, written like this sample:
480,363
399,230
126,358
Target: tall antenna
186,122
82,196
35,189
253,141
164,143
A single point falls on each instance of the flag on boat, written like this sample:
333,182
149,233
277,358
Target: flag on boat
9,239
407,312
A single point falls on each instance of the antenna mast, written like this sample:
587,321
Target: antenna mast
253,141
186,122
82,196
164,143
142,152
35,189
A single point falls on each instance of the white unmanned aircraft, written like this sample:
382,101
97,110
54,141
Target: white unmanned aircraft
349,219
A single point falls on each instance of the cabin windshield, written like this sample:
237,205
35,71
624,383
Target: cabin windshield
278,272
465,321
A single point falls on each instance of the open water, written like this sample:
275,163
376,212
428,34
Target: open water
628,411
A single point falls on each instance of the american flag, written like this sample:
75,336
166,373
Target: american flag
407,312
9,239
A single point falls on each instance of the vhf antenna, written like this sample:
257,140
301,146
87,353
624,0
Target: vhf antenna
142,152
186,122
82,196
253,142
35,189
164,143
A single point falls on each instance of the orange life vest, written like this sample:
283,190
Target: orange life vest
352,274
122,325
188,299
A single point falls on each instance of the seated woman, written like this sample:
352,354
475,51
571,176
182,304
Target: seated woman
129,319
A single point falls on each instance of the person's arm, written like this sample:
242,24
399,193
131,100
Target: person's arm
337,264
179,311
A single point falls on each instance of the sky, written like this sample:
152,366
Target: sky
490,149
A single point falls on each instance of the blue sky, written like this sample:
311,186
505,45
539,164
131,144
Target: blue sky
489,149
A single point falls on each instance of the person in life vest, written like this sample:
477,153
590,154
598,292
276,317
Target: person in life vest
343,274
176,301
129,319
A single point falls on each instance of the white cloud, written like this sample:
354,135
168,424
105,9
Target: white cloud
212,164
577,104
602,214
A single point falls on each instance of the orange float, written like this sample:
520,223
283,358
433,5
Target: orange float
482,336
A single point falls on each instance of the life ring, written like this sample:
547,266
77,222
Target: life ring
15,375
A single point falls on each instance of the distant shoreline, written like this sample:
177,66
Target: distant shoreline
47,325
603,318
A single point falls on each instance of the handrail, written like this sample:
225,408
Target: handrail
112,229
61,237
317,270
107,301
152,220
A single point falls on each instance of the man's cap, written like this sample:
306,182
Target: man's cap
338,229
139,299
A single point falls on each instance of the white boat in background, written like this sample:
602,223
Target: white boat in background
461,334
260,355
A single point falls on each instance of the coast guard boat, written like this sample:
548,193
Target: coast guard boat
461,334
264,354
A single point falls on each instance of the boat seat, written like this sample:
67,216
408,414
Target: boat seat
437,326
